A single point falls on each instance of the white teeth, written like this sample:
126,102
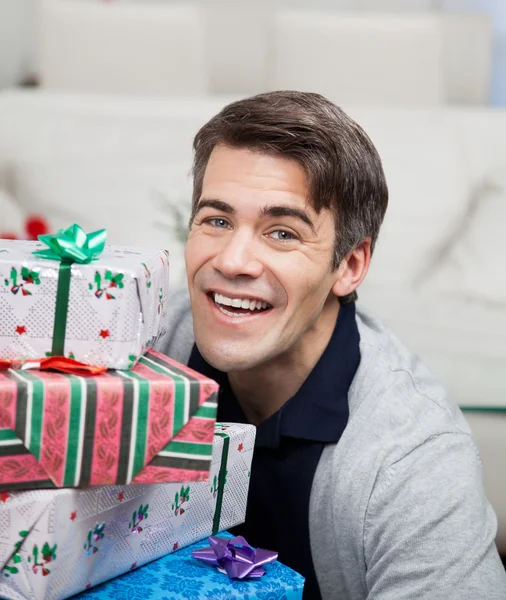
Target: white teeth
245,304
230,313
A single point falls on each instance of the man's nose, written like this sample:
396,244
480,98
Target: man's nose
238,256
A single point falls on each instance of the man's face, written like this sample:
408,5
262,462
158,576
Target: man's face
258,259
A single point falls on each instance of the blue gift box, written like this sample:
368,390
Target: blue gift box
179,576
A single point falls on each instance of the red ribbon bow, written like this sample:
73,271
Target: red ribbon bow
55,363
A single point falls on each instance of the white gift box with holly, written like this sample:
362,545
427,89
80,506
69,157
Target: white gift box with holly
56,543
97,304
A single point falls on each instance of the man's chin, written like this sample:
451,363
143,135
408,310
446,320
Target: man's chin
227,361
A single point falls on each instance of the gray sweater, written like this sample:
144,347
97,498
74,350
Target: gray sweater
397,508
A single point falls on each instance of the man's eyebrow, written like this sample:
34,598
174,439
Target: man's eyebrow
267,211
288,211
216,204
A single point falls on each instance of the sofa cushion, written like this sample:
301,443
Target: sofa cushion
116,47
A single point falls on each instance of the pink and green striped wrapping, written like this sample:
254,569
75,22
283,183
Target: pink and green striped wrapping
152,424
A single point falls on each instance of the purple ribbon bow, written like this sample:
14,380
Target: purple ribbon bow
235,557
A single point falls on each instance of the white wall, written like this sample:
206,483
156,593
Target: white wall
17,40
496,9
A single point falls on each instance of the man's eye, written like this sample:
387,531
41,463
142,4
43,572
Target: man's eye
282,235
218,223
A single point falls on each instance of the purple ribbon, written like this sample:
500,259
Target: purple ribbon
235,557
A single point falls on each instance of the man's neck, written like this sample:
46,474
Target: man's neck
262,391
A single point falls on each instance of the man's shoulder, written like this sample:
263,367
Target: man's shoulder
406,455
398,412
177,338
395,394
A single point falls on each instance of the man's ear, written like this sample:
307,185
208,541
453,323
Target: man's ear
352,269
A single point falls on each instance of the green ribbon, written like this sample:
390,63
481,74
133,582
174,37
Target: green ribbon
221,482
68,246
483,409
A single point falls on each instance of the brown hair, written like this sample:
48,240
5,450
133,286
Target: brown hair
343,167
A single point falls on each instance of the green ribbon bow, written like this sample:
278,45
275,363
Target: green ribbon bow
68,246
73,245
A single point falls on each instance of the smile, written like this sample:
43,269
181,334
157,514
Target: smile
239,307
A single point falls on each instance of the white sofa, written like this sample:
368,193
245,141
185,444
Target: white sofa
375,56
438,277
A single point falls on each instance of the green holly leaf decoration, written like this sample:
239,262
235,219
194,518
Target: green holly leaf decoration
48,552
88,545
99,530
10,570
185,493
30,276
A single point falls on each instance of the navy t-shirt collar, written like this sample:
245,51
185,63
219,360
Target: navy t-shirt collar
319,409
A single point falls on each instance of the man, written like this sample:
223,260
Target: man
365,477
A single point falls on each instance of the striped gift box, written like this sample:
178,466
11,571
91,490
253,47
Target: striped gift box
152,424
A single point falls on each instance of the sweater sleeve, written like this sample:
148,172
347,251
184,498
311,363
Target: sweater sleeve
429,530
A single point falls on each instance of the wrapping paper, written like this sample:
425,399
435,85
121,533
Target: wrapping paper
152,424
116,305
179,576
56,543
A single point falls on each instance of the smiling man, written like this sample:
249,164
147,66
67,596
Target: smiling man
365,477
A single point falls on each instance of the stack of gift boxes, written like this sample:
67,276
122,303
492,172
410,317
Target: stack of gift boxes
110,456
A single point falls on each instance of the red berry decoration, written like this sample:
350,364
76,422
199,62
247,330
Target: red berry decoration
36,226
